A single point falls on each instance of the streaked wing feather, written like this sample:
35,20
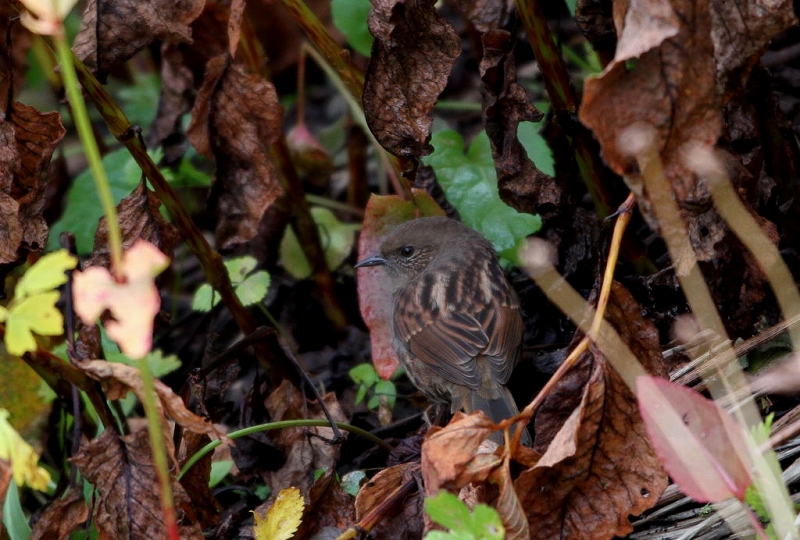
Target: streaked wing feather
504,329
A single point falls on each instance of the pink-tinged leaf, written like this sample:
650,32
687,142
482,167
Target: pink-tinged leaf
133,303
383,213
702,448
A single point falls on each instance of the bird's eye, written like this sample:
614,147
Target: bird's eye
407,251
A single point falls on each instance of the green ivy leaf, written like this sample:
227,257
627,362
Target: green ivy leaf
254,288
449,511
470,184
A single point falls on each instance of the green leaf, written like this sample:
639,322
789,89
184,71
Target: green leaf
219,470
449,511
536,146
351,482
204,298
470,184
159,364
254,288
46,274
337,240
364,374
350,17
386,389
239,267
83,211
36,313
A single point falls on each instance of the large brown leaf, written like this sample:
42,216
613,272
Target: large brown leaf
412,55
234,121
122,472
112,31
674,61
27,141
598,465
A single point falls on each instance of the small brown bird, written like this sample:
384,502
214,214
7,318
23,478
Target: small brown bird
456,322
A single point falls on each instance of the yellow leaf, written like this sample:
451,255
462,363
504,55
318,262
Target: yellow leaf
283,518
35,313
46,274
24,461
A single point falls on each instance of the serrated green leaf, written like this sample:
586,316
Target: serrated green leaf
46,274
36,313
350,17
239,267
486,523
254,288
470,184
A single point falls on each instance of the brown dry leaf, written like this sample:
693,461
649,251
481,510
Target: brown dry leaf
670,62
304,453
508,506
450,458
406,524
112,31
234,121
117,379
486,15
412,55
122,471
235,25
598,466
138,218
195,481
329,506
505,104
27,141
62,516
182,67
14,62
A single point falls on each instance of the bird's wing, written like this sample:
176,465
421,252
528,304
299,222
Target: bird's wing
445,341
504,328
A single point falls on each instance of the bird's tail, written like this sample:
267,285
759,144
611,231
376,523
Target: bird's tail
498,409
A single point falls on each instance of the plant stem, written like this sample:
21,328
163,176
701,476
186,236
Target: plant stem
159,452
84,127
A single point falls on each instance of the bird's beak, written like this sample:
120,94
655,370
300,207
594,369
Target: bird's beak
375,260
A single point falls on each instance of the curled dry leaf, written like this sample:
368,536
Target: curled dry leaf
234,121
505,104
122,471
407,524
27,141
118,379
383,213
61,517
112,32
412,55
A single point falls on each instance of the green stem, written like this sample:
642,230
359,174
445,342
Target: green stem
159,452
84,127
279,425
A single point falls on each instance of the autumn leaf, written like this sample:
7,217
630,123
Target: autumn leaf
283,518
23,459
